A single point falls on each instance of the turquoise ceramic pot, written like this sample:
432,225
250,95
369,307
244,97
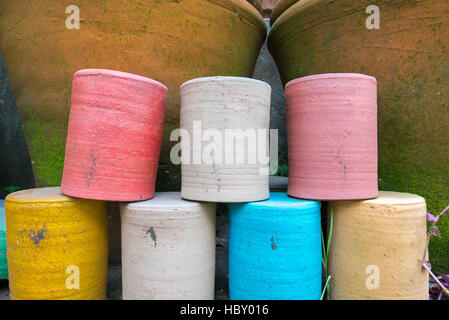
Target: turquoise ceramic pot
3,262
275,249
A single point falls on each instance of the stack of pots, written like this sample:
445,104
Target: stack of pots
116,137
320,36
274,241
332,140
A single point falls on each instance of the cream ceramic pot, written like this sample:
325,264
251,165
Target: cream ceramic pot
225,125
377,247
168,249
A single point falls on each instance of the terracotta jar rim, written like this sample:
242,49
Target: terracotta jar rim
224,79
119,74
330,76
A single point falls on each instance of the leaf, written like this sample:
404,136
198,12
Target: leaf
445,277
12,189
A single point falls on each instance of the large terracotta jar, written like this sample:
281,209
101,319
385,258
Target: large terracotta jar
409,57
169,41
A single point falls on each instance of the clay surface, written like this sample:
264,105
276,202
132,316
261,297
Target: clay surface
115,135
332,137
279,9
384,239
52,241
168,249
220,104
275,249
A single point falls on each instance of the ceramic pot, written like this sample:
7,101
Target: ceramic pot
377,247
3,260
332,137
170,41
408,57
223,118
168,249
275,249
57,246
114,138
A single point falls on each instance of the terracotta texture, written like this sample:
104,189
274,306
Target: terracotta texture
221,104
52,240
169,41
387,233
332,137
168,249
279,9
408,57
256,4
114,136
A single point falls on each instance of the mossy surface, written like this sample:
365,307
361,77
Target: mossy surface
409,57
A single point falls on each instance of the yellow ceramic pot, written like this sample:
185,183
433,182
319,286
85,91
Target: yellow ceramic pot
377,247
57,246
169,41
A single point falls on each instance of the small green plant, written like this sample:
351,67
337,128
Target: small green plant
326,255
12,189
282,169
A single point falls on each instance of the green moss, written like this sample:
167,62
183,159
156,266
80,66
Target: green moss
47,146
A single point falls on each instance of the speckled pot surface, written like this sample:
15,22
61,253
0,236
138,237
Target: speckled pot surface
377,247
168,249
214,106
332,137
114,136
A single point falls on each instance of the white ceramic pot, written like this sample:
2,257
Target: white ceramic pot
168,249
226,120
377,247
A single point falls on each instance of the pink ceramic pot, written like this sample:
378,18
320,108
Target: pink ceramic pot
114,136
332,137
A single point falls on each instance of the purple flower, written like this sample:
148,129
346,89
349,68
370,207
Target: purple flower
430,217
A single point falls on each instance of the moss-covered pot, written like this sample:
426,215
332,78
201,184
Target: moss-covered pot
409,57
170,41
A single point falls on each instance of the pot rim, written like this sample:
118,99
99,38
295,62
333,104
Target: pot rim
245,6
164,200
280,8
323,76
40,195
224,79
119,74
